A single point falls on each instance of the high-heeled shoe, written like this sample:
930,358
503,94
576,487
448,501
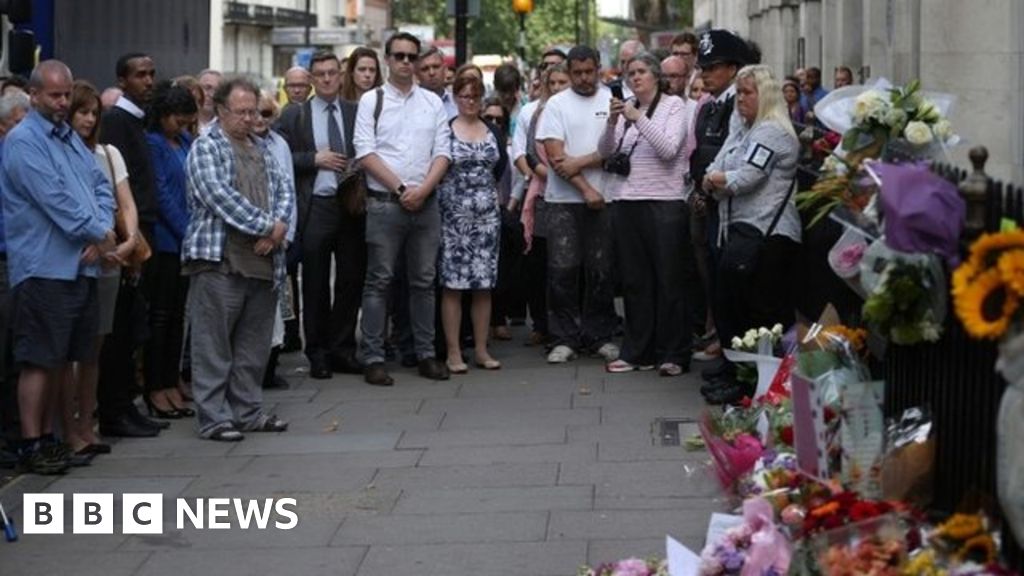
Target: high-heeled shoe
155,412
184,411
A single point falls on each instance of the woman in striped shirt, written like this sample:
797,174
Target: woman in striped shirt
646,135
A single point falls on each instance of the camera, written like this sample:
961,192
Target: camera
617,163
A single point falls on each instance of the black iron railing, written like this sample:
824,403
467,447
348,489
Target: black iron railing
956,378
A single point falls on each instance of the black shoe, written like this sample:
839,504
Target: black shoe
728,392
409,361
320,370
38,461
8,459
141,420
717,372
155,412
346,364
275,383
124,427
377,375
433,369
292,343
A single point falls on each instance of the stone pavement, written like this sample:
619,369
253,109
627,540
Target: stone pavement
527,471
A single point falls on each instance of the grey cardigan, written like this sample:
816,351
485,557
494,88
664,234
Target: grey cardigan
759,164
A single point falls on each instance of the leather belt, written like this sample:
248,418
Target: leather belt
382,196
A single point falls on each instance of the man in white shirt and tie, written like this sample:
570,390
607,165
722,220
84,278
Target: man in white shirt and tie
405,150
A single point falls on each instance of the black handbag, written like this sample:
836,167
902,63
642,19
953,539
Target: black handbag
742,249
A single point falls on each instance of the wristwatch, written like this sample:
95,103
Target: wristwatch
401,189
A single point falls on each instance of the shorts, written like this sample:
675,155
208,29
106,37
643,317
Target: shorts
54,322
106,291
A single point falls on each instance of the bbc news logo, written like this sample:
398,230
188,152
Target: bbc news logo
144,513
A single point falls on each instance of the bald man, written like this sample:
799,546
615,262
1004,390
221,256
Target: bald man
675,76
297,84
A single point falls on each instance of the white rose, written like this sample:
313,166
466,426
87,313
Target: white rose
777,330
749,341
762,332
918,133
943,130
868,105
736,343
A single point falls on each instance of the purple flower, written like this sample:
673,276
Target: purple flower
733,561
631,567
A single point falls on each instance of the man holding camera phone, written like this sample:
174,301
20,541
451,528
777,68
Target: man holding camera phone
579,226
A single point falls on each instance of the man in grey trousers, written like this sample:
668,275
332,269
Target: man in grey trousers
240,201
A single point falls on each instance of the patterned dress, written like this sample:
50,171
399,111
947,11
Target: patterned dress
470,217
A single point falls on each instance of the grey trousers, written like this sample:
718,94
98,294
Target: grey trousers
389,227
232,320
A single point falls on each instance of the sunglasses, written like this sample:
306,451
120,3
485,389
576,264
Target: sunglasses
407,56
493,119
266,113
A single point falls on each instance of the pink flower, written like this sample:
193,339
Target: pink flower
849,257
631,567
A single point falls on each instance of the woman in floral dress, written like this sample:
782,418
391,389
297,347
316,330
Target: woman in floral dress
470,224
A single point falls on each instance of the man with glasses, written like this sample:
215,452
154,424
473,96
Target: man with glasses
684,46
403,143
297,85
240,202
320,134
550,58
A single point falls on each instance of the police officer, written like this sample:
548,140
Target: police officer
720,55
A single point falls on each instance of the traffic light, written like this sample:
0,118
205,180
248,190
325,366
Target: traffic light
21,44
522,6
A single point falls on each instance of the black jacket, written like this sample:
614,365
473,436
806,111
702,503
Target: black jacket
128,134
712,129
296,125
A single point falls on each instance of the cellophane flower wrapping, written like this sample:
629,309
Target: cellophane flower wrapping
732,441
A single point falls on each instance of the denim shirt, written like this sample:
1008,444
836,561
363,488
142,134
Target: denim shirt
56,201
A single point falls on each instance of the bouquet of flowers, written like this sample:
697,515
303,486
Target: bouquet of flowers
873,548
896,114
842,509
627,567
753,548
732,440
989,285
772,471
901,305
755,341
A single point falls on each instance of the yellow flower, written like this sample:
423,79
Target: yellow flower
980,549
962,526
986,306
962,277
1011,266
989,243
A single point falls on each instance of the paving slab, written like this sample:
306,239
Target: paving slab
552,433
478,500
284,443
255,561
481,476
443,529
505,559
456,419
25,562
481,455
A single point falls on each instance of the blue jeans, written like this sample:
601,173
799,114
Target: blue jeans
389,228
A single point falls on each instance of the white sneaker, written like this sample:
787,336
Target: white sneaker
608,351
561,354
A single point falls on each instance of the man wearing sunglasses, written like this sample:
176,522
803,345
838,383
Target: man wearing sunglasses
320,134
402,142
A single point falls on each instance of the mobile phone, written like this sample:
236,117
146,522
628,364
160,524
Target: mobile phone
617,90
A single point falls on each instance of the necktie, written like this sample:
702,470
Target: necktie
334,135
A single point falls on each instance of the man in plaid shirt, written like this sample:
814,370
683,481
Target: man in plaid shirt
240,202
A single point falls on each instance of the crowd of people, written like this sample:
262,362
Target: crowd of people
172,238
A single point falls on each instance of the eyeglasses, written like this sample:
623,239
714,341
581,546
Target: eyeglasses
243,113
267,113
493,119
467,97
407,56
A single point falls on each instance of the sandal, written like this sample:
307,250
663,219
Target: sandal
620,366
670,369
489,364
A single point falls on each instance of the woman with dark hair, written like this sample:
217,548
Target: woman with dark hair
80,391
506,302
191,84
362,74
791,93
470,223
172,111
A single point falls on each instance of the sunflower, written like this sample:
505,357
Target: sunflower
984,246
1011,266
962,277
980,549
986,305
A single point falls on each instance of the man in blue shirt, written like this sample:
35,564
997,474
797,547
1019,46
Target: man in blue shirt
812,89
59,213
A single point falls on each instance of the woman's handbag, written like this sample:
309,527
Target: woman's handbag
742,249
142,251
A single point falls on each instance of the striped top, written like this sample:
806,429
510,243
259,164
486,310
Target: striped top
658,162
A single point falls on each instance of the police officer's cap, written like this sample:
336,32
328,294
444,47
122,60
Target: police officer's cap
722,46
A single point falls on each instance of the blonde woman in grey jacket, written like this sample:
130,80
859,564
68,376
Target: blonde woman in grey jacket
752,179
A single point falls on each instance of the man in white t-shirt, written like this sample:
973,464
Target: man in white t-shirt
579,225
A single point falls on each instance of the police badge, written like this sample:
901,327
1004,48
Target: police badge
706,45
